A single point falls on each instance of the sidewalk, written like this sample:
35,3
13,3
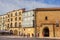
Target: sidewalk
28,37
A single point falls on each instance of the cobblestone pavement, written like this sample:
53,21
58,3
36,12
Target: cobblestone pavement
17,38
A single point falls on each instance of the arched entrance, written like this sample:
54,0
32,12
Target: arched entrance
46,32
15,32
11,32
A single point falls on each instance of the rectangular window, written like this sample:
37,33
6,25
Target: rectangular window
11,19
57,25
16,19
11,25
19,24
8,15
46,18
8,25
19,18
19,13
8,20
11,15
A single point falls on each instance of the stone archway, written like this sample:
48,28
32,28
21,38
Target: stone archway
15,32
46,32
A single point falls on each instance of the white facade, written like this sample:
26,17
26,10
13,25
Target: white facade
27,19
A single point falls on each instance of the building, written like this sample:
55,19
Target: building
5,22
39,22
13,21
47,22
1,23
28,23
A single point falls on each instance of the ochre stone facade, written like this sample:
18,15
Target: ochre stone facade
23,31
48,18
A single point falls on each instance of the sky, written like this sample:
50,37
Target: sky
10,5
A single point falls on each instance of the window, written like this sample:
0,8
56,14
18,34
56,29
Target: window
33,14
15,24
16,14
46,18
11,15
8,25
57,24
8,15
8,20
19,18
32,35
24,29
11,19
16,19
11,25
19,24
19,13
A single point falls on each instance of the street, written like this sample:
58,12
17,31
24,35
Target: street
20,38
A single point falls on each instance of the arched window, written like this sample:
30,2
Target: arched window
46,18
15,24
11,25
16,19
11,32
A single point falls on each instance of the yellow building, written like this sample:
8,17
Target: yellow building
13,21
48,22
1,22
4,21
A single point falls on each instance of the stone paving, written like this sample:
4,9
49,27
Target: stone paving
21,38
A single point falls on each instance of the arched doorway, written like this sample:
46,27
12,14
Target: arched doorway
46,32
11,32
15,32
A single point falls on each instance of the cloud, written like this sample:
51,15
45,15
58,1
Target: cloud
36,4
9,5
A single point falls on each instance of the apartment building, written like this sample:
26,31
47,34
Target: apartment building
28,23
13,21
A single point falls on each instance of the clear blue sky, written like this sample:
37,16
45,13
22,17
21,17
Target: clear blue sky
9,5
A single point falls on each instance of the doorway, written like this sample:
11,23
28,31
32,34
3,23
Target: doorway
46,32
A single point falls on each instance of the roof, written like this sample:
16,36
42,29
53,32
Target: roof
47,9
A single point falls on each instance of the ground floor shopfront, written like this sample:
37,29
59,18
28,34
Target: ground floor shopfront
44,31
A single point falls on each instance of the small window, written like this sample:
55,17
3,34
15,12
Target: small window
46,18
20,24
8,20
24,29
8,25
11,25
57,25
16,14
11,15
15,24
19,13
19,18
8,15
11,19
16,19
